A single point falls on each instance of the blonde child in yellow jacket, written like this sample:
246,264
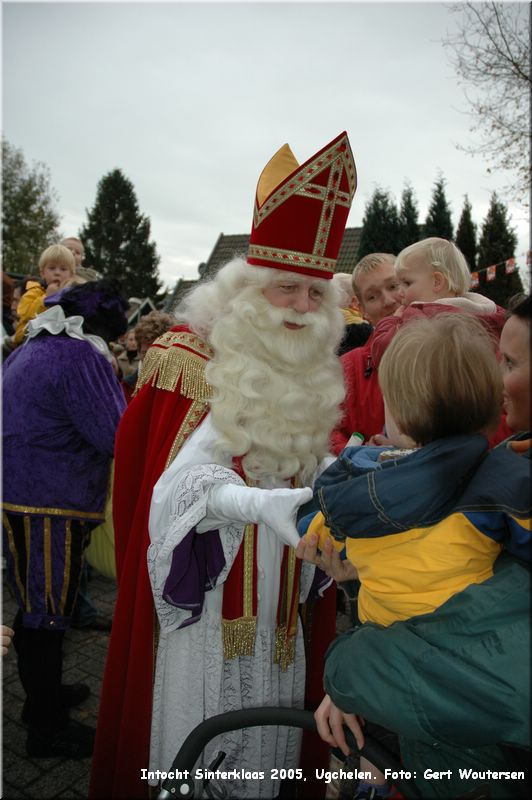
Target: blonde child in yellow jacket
56,266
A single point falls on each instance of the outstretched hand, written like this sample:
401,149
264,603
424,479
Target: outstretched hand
276,508
280,515
330,721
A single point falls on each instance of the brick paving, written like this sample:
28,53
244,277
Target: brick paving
85,653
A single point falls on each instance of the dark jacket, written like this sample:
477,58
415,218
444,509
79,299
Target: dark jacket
453,684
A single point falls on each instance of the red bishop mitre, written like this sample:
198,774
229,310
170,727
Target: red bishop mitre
301,211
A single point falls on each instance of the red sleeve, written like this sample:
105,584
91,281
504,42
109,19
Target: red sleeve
494,322
363,406
383,334
388,327
343,431
339,437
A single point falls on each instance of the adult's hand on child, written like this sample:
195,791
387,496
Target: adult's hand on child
380,439
330,721
327,559
334,566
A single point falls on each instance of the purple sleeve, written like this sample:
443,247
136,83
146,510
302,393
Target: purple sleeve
196,564
95,399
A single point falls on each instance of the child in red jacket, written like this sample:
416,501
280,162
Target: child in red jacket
434,278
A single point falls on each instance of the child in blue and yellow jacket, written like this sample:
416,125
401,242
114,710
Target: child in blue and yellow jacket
421,525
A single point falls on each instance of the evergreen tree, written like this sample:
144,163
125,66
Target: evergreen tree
466,235
380,226
438,222
496,245
29,218
116,238
408,219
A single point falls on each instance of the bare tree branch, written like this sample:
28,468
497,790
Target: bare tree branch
490,53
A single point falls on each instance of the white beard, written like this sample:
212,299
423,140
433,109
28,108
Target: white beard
277,392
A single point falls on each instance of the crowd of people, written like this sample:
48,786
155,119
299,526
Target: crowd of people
241,505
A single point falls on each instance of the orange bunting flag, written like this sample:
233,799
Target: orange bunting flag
510,266
491,273
474,280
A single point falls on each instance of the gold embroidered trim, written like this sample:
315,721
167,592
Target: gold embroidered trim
238,637
48,594
249,539
327,210
291,572
317,192
189,424
280,256
188,339
285,639
167,361
285,648
66,569
14,554
54,512
340,151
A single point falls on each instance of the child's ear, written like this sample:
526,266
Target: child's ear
438,281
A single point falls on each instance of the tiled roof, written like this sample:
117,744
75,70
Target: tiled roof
347,257
174,298
227,247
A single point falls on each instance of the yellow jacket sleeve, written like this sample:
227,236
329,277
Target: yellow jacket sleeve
31,303
319,527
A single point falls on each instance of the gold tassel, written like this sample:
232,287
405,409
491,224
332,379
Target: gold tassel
164,367
238,636
285,648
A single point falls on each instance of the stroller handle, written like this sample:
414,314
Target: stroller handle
200,736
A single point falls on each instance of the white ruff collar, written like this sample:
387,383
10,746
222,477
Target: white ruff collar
54,321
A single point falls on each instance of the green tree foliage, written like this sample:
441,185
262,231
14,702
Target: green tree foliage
466,235
408,219
116,238
497,244
490,51
438,221
29,218
380,226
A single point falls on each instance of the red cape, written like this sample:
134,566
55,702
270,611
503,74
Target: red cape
145,436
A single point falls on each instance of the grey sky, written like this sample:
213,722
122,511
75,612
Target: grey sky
191,100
